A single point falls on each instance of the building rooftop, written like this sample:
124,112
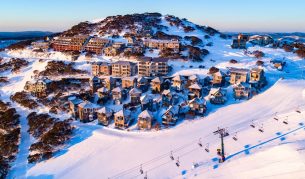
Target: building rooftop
106,111
117,89
88,105
123,112
239,70
195,86
145,114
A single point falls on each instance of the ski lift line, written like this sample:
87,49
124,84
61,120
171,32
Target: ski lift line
175,150
287,133
266,122
199,147
158,158
266,139
135,169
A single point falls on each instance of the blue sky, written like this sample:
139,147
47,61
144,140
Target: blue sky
224,15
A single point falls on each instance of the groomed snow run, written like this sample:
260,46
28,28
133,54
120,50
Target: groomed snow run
96,152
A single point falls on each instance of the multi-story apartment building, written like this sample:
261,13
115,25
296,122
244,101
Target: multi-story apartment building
96,45
152,66
162,44
102,68
124,69
238,75
41,45
74,43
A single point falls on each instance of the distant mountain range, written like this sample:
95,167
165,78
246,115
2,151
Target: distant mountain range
23,35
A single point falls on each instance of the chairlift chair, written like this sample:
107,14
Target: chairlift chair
141,169
252,124
171,155
275,117
286,120
195,165
298,110
261,129
178,162
235,137
145,177
207,148
199,143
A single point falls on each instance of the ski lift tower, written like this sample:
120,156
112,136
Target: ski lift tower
222,133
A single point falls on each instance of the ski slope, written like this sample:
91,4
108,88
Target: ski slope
98,152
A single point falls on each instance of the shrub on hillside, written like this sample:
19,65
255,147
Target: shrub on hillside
288,48
14,64
9,137
9,118
39,123
49,141
233,61
55,68
258,54
213,70
188,29
24,100
300,52
259,63
194,40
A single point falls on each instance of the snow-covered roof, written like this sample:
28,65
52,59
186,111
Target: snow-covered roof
156,80
214,90
161,41
122,63
130,78
135,91
173,109
123,112
198,101
88,105
239,70
242,84
76,101
193,77
178,78
102,90
256,70
117,89
166,92
195,86
145,114
105,110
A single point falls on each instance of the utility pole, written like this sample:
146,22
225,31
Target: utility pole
221,152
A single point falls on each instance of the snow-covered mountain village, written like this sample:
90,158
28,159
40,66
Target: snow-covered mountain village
152,96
